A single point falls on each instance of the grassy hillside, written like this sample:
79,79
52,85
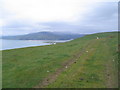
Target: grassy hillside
86,62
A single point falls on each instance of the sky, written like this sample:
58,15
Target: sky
71,16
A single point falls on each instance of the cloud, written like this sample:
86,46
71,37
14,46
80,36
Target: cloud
104,17
23,27
46,10
27,16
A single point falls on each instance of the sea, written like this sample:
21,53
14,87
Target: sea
13,44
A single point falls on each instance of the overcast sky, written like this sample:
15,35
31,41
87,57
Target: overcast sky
77,16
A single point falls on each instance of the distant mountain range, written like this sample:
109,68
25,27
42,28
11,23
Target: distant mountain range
44,36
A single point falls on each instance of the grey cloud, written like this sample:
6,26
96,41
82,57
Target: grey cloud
103,18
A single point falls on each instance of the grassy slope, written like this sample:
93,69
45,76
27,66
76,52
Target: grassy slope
27,67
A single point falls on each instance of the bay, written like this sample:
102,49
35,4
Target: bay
12,44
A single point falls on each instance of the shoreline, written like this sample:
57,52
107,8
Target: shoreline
44,43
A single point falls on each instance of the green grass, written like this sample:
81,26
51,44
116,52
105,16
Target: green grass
27,67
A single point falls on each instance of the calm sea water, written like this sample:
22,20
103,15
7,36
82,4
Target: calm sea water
12,44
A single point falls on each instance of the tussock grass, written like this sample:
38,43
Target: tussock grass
27,67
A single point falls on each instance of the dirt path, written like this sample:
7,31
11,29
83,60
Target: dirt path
111,75
50,79
109,82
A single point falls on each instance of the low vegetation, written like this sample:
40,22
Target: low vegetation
94,64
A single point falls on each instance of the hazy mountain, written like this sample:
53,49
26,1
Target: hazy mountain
44,36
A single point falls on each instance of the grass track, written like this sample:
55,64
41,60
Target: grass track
27,67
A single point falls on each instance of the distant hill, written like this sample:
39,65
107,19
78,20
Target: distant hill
44,36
